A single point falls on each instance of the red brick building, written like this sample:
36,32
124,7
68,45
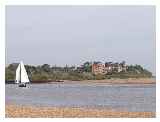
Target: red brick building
98,68
108,67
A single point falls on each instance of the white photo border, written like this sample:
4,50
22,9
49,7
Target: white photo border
4,3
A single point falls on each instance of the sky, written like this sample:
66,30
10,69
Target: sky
60,35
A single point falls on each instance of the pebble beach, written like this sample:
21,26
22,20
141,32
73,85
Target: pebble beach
15,111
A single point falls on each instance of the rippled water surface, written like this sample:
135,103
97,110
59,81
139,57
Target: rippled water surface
122,97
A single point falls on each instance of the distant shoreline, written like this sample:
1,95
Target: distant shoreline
123,81
106,81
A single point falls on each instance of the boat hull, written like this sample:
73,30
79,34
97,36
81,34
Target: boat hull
22,85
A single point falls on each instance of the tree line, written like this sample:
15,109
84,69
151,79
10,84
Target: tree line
84,72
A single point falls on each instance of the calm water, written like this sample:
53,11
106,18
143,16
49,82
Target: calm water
120,97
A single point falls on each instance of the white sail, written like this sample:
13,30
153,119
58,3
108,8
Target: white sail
21,74
17,80
24,76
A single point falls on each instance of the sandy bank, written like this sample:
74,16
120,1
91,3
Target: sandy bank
118,81
49,112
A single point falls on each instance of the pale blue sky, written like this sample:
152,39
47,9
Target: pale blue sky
74,34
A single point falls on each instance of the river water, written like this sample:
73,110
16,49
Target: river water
119,97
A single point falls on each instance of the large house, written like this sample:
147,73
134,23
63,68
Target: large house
108,67
98,68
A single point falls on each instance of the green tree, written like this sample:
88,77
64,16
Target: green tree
46,67
87,66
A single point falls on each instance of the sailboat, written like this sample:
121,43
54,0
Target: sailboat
21,75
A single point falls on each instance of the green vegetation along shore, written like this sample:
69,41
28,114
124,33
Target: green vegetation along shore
47,72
